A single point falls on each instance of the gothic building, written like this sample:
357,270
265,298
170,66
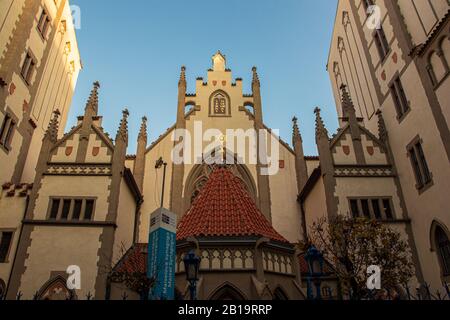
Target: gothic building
399,68
88,203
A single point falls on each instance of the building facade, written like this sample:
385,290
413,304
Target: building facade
399,68
88,204
39,67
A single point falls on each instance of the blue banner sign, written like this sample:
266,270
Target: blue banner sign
162,254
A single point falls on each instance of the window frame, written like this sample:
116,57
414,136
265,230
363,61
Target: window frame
420,166
43,23
7,130
382,44
401,103
8,251
370,200
28,68
70,217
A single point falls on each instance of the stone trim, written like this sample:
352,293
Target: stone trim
364,171
71,223
79,169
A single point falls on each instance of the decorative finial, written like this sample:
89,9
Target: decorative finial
382,130
255,76
123,129
52,131
143,130
182,76
92,103
348,109
321,130
296,130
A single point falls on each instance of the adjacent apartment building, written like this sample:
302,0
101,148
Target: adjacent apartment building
394,57
39,67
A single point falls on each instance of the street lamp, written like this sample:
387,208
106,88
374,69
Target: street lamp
160,163
191,266
315,260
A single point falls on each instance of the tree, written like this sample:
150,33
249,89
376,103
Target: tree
352,245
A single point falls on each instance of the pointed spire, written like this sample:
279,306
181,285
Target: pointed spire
321,130
296,131
123,129
52,130
255,77
92,103
348,108
382,130
143,131
182,77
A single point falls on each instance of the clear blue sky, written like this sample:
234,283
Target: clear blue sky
135,49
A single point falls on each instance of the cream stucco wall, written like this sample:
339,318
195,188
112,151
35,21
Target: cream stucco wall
74,186
12,211
57,84
315,206
54,250
366,187
125,222
286,218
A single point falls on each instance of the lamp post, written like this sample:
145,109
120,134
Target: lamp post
191,266
314,258
158,165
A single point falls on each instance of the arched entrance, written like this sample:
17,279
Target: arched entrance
199,175
279,294
227,292
55,289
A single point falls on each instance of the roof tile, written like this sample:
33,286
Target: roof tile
225,209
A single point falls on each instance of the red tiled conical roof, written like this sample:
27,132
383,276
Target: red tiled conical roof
224,209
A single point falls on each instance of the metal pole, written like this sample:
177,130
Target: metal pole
163,185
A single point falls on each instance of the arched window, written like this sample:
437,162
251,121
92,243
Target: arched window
436,68
442,243
219,105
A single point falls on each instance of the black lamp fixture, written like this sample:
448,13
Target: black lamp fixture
315,261
191,266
